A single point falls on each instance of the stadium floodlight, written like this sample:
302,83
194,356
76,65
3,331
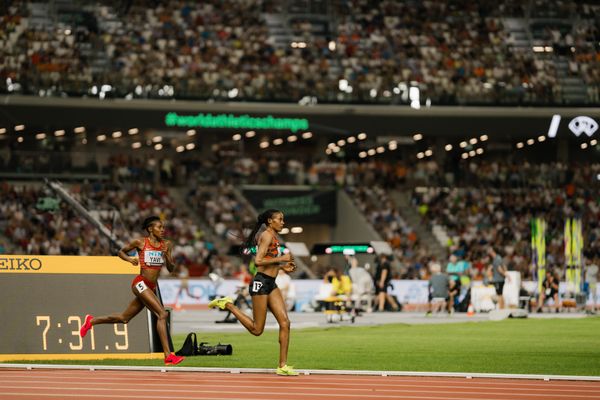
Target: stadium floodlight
328,151
479,151
463,144
428,153
190,146
341,142
157,139
117,134
250,134
232,94
292,138
351,139
473,140
520,145
472,153
417,137
530,141
101,138
541,138
380,149
19,127
180,149
84,141
264,144
584,146
307,135
191,132
296,229
393,145
483,138
79,129
464,156
548,49
20,139
59,133
336,149
158,146
2,131
371,152
343,85
362,154
133,131
278,141
448,147
331,45
237,137
373,93
137,145
40,136
362,136
420,155
284,231
554,125
593,142
538,49
331,145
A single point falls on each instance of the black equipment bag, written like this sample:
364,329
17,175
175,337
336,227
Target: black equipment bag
190,346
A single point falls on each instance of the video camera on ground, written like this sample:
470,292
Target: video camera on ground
218,350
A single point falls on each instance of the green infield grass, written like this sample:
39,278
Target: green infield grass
521,346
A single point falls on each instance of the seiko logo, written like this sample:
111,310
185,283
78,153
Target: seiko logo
20,264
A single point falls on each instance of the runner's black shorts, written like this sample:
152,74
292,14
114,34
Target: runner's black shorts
262,284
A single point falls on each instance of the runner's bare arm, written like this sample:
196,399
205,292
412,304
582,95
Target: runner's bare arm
135,244
263,245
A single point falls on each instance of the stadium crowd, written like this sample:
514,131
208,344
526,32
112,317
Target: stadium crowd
372,51
34,221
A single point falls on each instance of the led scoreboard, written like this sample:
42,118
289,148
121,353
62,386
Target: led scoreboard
45,300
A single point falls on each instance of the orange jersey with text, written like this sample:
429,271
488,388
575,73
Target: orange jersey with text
273,250
152,257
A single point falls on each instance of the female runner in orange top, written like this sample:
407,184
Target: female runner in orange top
263,289
154,252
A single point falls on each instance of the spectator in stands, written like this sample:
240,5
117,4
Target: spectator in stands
549,291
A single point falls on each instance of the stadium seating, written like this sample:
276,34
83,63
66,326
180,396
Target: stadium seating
485,52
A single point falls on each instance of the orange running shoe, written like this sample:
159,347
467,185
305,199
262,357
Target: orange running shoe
173,359
87,325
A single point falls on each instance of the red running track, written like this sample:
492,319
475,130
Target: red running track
82,384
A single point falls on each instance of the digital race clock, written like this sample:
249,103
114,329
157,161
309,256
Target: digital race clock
45,300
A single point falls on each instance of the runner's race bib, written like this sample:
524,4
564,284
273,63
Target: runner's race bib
154,258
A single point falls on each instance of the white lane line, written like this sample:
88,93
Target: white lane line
352,373
295,386
371,393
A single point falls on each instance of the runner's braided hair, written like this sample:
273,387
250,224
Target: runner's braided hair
250,240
